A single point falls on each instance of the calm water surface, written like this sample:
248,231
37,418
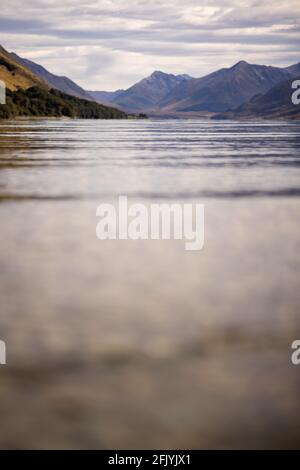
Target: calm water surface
132,344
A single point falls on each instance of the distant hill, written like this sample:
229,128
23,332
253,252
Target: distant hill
224,89
105,96
28,95
275,104
63,84
149,92
15,75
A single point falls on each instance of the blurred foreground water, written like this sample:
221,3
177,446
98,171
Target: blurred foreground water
141,344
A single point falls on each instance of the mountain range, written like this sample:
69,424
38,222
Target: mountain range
148,93
241,91
217,94
224,89
221,91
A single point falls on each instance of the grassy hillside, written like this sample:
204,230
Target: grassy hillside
38,101
16,75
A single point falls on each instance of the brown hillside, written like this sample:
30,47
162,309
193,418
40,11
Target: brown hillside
15,75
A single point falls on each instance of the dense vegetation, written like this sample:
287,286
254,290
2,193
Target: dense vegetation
37,101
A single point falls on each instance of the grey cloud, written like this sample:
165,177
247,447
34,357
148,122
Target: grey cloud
141,35
16,25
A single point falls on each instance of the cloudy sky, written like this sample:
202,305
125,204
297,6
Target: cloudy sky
110,44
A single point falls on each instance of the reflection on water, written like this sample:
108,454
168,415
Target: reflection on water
140,343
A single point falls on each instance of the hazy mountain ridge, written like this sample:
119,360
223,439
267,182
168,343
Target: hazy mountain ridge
105,96
61,83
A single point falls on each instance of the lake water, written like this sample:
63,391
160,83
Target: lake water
141,344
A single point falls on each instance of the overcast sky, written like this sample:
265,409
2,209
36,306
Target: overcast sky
110,44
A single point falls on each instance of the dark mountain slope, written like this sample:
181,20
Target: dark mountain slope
224,89
149,92
275,104
294,70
